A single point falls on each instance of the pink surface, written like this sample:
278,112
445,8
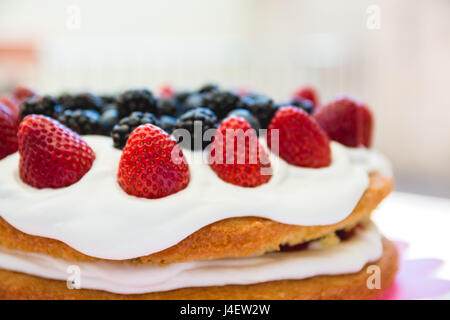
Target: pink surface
415,279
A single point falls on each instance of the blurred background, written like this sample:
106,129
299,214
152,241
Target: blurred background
395,55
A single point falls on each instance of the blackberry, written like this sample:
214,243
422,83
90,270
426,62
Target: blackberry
81,121
254,122
262,107
202,118
45,105
109,118
221,102
109,99
167,123
136,100
167,107
209,87
121,131
82,101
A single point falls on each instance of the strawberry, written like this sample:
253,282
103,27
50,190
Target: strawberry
22,93
301,141
51,155
346,121
166,92
8,132
152,164
237,156
12,104
306,93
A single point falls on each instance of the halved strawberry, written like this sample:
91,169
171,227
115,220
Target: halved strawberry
346,121
307,93
51,155
8,132
301,141
152,164
236,155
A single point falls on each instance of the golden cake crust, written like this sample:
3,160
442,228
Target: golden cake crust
234,237
349,286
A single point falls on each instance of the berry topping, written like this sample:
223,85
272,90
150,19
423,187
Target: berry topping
81,121
304,104
166,92
307,93
12,104
46,105
221,102
237,156
167,106
346,121
209,87
83,101
152,164
121,131
301,141
136,100
8,131
167,123
261,107
201,119
51,155
108,99
193,101
109,118
254,122
22,93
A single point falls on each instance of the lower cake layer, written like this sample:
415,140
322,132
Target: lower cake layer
313,272
348,286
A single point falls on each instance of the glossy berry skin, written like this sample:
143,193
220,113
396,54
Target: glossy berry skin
245,165
252,120
152,164
167,106
304,104
46,105
221,102
203,117
108,119
81,121
8,132
121,131
82,101
136,100
346,121
307,93
262,107
167,123
302,142
51,155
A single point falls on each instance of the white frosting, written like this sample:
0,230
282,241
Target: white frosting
347,257
96,217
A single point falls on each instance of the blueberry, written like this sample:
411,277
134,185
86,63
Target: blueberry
254,122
